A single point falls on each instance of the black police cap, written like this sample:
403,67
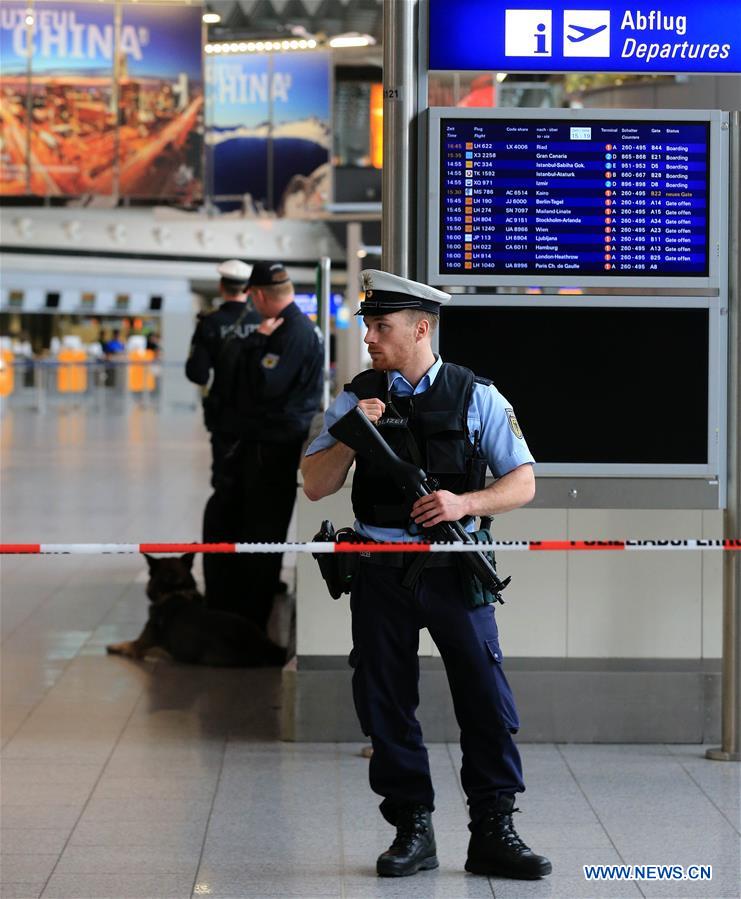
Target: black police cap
266,274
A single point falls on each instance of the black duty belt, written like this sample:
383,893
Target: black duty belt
404,560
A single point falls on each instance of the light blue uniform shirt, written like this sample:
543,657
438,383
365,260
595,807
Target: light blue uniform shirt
489,413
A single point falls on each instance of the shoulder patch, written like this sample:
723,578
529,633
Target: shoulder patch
513,423
269,360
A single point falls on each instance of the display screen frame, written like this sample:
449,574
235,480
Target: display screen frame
717,341
717,198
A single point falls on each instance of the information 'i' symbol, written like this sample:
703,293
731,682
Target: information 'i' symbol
540,39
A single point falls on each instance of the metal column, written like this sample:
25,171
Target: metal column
325,321
730,749
352,353
400,36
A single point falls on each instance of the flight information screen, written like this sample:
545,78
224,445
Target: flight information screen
540,197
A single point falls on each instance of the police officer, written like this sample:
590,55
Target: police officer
213,349
282,378
452,424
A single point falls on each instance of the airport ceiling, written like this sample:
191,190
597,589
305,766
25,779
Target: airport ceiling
273,18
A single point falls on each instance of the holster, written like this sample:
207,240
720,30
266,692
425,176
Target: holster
475,592
338,569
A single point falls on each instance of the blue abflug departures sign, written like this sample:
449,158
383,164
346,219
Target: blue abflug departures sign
678,36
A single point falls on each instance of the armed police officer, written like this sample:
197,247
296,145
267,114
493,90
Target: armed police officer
214,354
452,424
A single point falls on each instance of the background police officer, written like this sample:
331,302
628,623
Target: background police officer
213,350
455,423
281,378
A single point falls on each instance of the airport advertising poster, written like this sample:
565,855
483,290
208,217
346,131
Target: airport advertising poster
161,102
301,131
269,130
73,125
13,97
238,127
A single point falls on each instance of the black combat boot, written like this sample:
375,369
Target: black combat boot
496,849
414,847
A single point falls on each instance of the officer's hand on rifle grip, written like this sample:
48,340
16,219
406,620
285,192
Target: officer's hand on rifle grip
373,409
442,505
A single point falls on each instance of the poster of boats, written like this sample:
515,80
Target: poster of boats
269,130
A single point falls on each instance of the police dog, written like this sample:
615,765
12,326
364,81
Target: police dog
180,623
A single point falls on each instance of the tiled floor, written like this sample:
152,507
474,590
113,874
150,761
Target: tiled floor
151,781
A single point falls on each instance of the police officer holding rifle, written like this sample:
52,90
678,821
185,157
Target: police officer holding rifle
443,420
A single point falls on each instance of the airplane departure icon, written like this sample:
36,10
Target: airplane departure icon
583,33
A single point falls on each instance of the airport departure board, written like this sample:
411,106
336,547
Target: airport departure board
574,197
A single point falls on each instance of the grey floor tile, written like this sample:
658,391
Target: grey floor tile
149,788
682,844
119,886
21,792
112,859
28,890
162,834
724,885
563,811
33,840
26,867
720,781
40,815
59,749
437,884
198,753
583,835
255,867
133,810
320,847
568,861
12,716
159,766
227,882
559,887
35,772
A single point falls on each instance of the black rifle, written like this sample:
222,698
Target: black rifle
356,431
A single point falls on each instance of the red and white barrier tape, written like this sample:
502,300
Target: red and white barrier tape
499,545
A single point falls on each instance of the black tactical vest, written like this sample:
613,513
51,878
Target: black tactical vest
431,431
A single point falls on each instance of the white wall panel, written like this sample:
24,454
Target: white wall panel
322,623
634,604
532,622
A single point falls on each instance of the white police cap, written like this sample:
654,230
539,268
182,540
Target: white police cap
235,270
385,293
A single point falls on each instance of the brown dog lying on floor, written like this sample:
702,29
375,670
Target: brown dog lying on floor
180,623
